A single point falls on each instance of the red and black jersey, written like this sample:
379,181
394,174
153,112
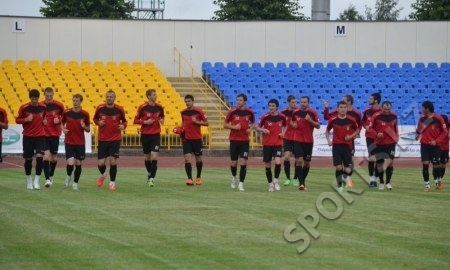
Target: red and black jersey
275,124
54,110
4,120
304,131
366,119
192,131
114,117
341,128
387,124
245,117
35,128
354,113
289,134
444,145
146,112
431,129
72,121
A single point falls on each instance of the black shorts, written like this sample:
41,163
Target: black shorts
239,149
430,153
288,145
371,146
193,146
32,145
52,144
75,151
444,157
150,143
385,151
270,152
108,149
303,150
342,155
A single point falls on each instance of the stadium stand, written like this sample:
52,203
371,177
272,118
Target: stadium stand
92,80
404,84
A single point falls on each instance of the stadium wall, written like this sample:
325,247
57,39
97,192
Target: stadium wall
275,41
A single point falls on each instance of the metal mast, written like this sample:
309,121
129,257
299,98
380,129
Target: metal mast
149,9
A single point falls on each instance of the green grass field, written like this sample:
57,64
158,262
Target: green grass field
172,226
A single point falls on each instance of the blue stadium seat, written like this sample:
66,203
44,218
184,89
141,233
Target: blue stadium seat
432,65
231,65
269,65
318,66
256,65
293,65
394,65
281,66
407,65
206,66
219,65
306,66
419,65
369,66
244,65
356,65
331,65
344,66
381,65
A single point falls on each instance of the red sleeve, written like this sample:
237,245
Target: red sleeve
137,118
124,119
326,113
443,125
20,116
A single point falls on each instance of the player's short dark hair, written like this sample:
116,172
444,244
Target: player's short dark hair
428,105
349,98
342,103
290,97
48,90
242,95
377,97
386,102
34,93
149,92
307,98
274,101
79,96
191,97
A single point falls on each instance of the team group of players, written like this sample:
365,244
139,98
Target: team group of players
284,134
291,132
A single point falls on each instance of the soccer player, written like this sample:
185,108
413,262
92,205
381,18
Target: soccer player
75,122
111,121
52,127
3,125
304,120
31,116
272,126
352,112
240,121
430,131
192,120
150,116
374,102
288,141
444,147
385,126
345,129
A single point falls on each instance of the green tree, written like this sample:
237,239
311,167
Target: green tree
111,9
236,10
386,10
433,10
350,14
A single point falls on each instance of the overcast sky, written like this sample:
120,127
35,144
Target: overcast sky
200,9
